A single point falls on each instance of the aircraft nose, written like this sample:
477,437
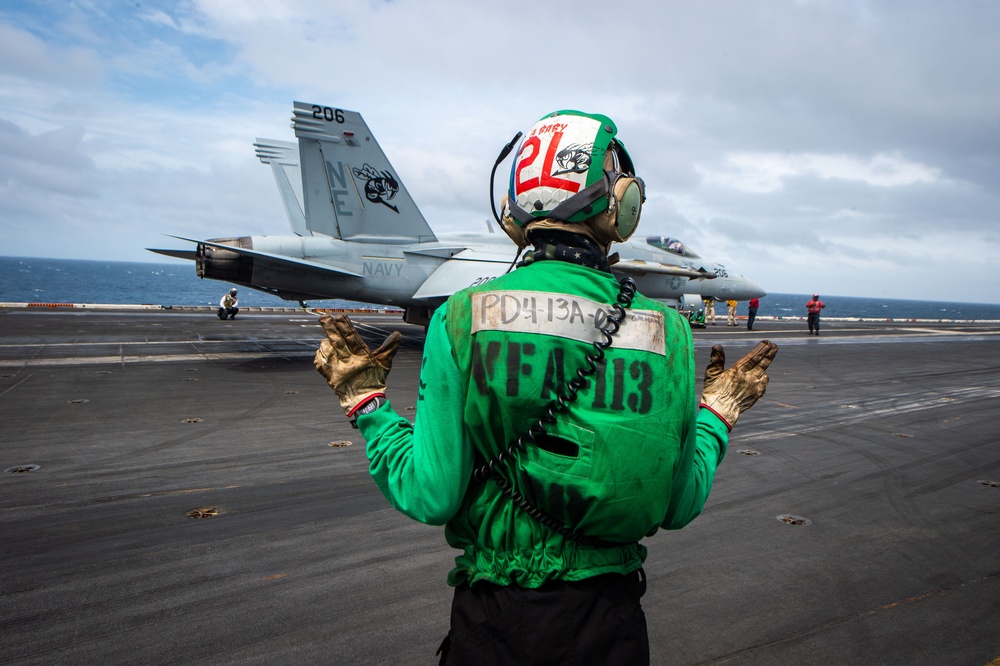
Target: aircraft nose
751,289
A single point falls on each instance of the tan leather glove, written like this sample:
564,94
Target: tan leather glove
730,392
351,369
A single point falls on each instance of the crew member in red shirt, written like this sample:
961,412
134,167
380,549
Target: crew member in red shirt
752,312
813,307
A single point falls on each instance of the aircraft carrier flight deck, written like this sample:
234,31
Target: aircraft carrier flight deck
180,489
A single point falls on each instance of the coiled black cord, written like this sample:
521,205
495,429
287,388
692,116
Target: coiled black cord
491,470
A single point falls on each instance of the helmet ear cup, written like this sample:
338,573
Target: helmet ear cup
628,197
619,221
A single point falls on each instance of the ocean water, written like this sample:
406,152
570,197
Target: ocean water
31,280
794,305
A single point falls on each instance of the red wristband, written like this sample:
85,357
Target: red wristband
704,406
365,402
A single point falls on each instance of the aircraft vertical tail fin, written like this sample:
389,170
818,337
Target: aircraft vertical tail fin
350,189
283,157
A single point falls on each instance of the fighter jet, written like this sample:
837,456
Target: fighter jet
359,236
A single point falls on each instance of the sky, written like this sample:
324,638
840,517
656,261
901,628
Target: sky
846,147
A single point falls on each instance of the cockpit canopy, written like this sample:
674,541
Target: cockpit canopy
672,245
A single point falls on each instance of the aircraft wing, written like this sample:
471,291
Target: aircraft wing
468,267
276,260
640,267
179,254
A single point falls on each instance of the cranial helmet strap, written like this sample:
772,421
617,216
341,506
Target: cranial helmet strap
522,216
582,200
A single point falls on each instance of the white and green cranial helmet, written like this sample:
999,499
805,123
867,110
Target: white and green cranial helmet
570,168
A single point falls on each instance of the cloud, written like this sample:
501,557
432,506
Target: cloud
767,172
50,163
25,56
797,141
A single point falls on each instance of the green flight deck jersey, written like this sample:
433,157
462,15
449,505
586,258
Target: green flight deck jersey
632,454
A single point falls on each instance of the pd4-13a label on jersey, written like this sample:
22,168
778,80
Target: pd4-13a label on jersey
565,316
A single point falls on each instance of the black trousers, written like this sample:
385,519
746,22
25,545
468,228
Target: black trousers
595,621
813,320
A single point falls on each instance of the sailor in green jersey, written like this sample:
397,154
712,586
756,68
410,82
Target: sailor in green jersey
557,421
